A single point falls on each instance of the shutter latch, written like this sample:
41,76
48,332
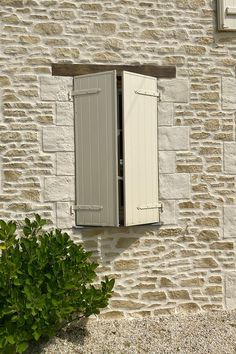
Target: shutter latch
154,206
85,92
88,207
148,93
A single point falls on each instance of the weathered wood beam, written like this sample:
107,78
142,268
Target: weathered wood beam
157,71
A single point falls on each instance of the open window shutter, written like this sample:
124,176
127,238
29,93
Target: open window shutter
140,149
95,109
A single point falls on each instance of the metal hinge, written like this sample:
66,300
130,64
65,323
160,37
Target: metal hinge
85,92
70,98
230,11
154,206
88,207
148,93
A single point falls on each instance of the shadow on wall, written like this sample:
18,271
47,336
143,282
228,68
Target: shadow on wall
159,270
109,244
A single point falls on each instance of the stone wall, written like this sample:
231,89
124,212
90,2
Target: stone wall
188,264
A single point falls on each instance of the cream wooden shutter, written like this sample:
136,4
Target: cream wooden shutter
95,106
140,149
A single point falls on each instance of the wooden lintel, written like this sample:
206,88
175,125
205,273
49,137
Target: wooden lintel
157,71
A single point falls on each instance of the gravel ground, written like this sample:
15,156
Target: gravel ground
201,333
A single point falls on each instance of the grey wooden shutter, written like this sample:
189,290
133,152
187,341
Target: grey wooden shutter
95,106
140,149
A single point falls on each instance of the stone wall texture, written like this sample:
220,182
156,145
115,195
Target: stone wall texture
187,264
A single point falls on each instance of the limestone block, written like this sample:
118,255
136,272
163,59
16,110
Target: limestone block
178,294
1,169
91,7
64,218
187,307
62,15
230,290
222,246
194,49
114,44
112,315
192,282
65,164
229,223
106,56
4,81
1,107
11,175
48,28
192,5
174,90
66,53
212,125
10,136
206,262
64,113
58,138
174,138
127,304
124,264
28,39
168,216
166,283
55,88
208,221
104,28
228,93
165,113
208,236
126,241
174,186
154,296
167,161
230,157
153,34
60,188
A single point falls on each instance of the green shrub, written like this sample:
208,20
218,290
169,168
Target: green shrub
45,282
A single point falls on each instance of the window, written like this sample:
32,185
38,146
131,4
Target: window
116,149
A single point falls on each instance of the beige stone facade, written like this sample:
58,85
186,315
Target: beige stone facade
187,264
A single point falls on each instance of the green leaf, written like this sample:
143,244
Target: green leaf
26,230
34,326
36,335
27,291
55,302
14,318
37,218
27,222
16,281
21,347
2,224
12,228
10,339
